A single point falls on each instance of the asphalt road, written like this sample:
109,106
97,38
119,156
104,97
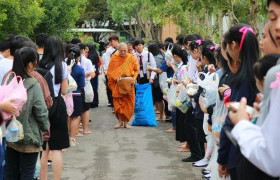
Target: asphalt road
141,153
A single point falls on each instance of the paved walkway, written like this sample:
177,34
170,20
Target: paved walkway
141,153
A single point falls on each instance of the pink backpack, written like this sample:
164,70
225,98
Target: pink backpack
15,91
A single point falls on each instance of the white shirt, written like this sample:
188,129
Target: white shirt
261,145
192,69
86,64
145,58
5,66
107,57
1,57
56,87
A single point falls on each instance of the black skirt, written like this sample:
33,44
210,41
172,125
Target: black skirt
180,126
77,99
157,94
59,138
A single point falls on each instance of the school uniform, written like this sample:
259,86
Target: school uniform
144,59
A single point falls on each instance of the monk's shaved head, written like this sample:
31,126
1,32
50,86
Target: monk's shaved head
122,48
122,45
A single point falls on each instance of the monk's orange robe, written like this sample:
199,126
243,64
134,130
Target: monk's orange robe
127,67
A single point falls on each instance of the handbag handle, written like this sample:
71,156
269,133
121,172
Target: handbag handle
8,77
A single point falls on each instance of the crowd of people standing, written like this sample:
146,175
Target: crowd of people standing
222,99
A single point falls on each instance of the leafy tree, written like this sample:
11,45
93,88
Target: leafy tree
19,16
60,16
98,15
141,15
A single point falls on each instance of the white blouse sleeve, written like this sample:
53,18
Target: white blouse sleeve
261,145
153,64
64,71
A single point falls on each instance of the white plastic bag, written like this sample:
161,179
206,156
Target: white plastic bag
171,96
14,131
163,83
205,124
220,112
72,85
168,54
89,95
192,89
210,84
183,102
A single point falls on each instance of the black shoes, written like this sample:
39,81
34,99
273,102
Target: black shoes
190,159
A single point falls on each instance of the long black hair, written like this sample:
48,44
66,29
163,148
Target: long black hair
249,53
22,57
154,49
92,49
177,50
92,54
53,53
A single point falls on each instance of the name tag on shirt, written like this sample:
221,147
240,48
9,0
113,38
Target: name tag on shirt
141,74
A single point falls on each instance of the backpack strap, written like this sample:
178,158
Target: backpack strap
113,52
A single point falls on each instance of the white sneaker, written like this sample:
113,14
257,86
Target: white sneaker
207,176
201,163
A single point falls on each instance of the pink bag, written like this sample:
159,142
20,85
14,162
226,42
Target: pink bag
68,98
15,91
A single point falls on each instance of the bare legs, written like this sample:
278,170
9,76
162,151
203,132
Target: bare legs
74,127
122,123
160,108
56,164
85,121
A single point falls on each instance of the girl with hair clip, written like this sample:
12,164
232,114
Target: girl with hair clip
78,74
208,59
216,115
242,51
21,156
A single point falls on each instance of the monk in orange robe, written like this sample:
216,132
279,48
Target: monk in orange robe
122,64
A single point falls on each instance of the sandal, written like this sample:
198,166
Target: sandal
73,142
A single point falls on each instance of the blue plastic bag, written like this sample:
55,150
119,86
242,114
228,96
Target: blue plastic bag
144,114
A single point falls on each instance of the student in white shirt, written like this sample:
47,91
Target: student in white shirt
87,65
114,43
144,59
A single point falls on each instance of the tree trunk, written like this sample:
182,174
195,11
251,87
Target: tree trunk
253,14
132,33
220,23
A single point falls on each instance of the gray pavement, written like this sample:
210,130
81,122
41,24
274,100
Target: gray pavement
141,153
